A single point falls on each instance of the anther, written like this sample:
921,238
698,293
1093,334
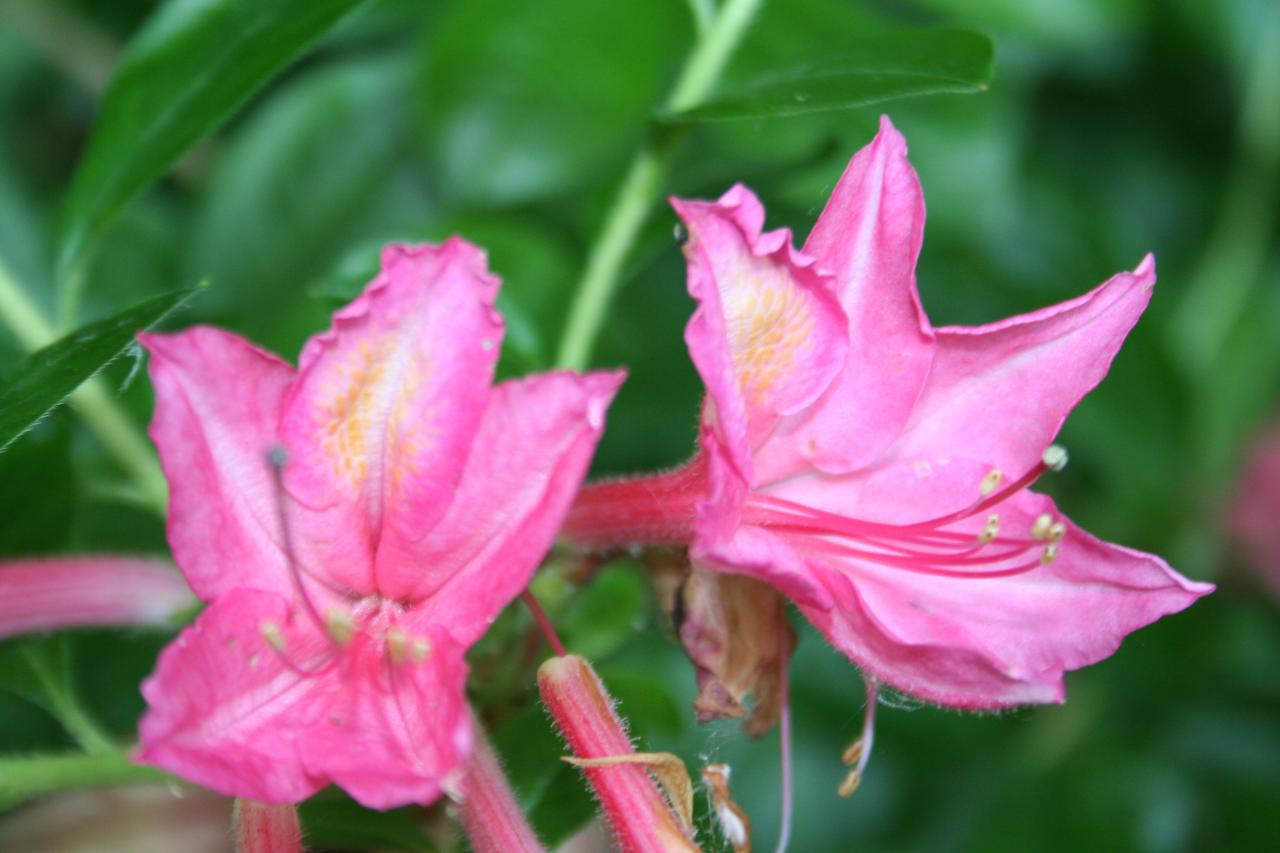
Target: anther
339,624
1041,527
850,784
990,482
273,635
991,530
852,753
1054,457
419,649
397,644
1057,531
1050,554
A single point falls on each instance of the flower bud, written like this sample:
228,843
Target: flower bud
642,819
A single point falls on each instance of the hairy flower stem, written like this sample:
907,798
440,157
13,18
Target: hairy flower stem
641,818
490,814
265,828
643,182
91,401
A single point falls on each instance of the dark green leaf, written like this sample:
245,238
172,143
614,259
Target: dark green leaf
332,820
37,490
524,99
183,75
869,71
46,377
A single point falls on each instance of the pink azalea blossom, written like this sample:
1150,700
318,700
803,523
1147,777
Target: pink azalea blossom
875,469
1256,509
77,592
418,500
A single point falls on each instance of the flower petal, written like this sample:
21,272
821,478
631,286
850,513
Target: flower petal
386,404
218,401
869,238
47,595
394,732
225,708
1001,392
767,337
723,543
999,641
530,455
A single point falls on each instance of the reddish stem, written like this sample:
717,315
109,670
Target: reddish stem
544,624
266,828
650,510
490,814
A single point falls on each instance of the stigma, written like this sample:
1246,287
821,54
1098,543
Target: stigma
944,546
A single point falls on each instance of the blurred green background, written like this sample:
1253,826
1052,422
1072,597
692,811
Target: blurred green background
1110,128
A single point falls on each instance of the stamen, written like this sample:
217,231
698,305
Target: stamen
273,635
340,625
1054,457
1050,554
858,753
1057,532
397,644
419,649
990,482
1041,527
276,458
991,530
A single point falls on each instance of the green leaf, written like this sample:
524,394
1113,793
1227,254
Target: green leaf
37,490
48,376
194,63
333,820
869,71
527,99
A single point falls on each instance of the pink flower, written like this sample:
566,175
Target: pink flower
418,501
1256,509
76,592
875,469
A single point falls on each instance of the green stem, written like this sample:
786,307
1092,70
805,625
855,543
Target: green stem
23,778
91,401
643,183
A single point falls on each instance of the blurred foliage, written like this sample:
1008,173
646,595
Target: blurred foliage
1110,129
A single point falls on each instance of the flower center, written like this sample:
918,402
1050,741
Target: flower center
933,546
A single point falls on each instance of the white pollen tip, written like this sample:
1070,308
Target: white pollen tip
1050,554
1057,531
1054,457
990,482
991,530
419,650
273,635
1041,526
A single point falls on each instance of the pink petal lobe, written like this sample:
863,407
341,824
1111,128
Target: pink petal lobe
530,454
869,237
768,336
380,420
218,402
396,728
225,708
1001,392
723,542
995,641
77,592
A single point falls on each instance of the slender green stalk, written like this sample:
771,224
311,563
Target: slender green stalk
33,775
643,183
91,401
